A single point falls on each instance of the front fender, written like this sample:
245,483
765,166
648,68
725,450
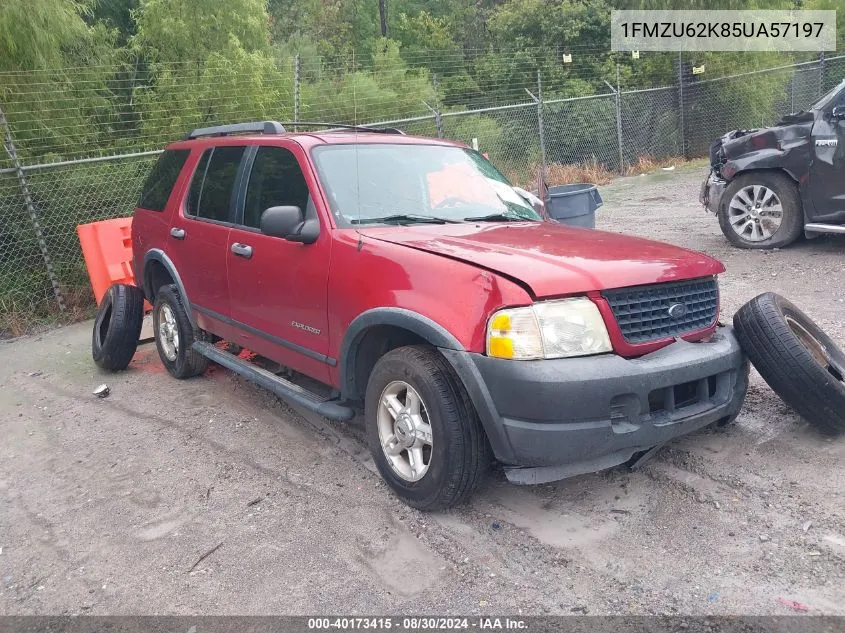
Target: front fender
766,159
414,322
786,148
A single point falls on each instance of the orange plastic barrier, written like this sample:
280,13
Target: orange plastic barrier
107,249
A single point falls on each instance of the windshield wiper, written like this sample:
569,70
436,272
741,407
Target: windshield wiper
499,217
511,215
407,218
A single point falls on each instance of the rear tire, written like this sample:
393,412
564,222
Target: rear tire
117,327
796,358
175,335
750,226
445,434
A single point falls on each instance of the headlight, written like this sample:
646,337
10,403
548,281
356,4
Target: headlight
550,329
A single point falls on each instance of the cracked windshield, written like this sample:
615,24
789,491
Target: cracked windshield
408,184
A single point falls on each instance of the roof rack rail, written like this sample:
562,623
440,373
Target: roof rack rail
258,127
342,127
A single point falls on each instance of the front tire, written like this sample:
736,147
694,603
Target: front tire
175,335
761,210
423,432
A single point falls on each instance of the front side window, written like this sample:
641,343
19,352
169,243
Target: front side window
276,181
210,195
368,183
159,183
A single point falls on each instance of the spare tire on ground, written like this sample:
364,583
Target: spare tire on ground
117,327
796,358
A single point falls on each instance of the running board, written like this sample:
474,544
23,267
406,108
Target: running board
824,228
282,387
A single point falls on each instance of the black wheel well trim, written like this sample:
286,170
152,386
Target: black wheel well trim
414,322
157,255
779,170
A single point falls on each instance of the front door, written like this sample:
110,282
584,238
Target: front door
827,173
277,288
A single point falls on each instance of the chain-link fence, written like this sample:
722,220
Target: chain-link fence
42,274
90,162
750,100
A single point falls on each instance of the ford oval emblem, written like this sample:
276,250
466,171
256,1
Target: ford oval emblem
677,310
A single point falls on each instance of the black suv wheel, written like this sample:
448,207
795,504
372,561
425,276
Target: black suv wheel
761,210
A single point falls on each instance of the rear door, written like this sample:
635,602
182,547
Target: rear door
199,233
278,288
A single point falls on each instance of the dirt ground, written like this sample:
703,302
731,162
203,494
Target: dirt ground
108,506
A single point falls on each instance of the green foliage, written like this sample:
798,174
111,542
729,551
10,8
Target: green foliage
486,129
427,41
190,30
832,5
388,90
34,33
231,85
107,76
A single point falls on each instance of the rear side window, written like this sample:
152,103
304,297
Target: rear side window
160,182
196,183
210,196
276,181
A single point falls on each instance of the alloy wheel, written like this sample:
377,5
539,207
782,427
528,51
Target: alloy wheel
755,213
168,332
404,430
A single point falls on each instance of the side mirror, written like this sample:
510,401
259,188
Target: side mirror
289,223
838,113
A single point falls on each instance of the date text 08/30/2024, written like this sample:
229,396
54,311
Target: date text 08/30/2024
416,623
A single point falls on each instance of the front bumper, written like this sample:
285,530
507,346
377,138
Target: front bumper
711,192
565,417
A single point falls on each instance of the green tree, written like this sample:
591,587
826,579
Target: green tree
190,30
114,14
832,5
33,34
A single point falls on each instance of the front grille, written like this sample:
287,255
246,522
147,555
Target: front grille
643,312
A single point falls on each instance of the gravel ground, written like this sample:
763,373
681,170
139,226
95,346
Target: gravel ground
112,506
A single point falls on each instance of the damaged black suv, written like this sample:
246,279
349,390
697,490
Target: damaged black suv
769,185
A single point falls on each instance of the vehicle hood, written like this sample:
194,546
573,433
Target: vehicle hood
794,128
552,259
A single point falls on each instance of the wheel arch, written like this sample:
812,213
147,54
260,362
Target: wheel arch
157,264
377,331
765,169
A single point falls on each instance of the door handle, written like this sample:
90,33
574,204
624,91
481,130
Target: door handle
179,234
242,250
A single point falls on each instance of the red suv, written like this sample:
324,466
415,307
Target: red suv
408,276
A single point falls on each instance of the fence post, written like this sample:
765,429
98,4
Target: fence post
821,73
541,127
619,120
438,118
683,147
295,91
11,150
792,92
